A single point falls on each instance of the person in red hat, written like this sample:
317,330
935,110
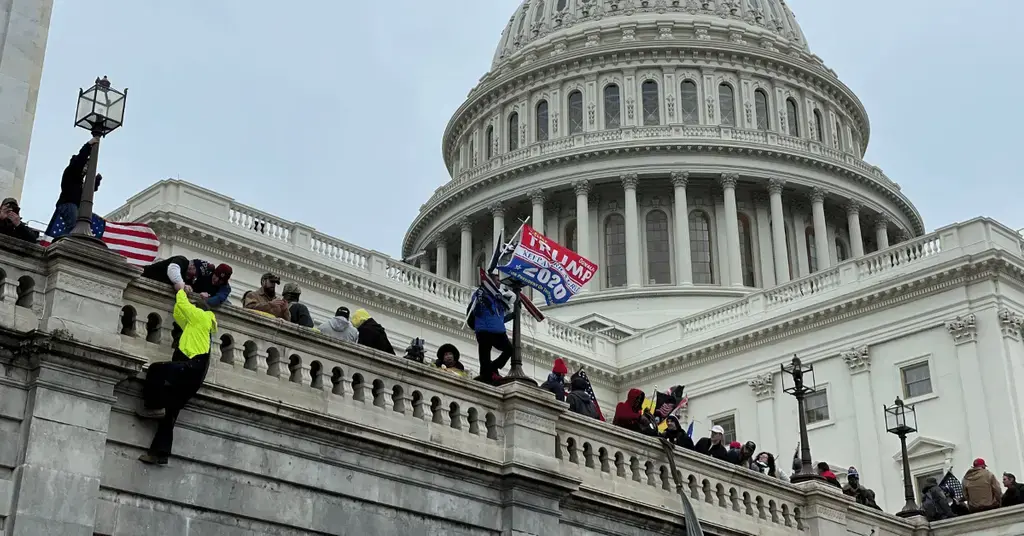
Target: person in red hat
212,283
981,488
556,380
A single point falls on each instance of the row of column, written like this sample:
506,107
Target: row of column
683,265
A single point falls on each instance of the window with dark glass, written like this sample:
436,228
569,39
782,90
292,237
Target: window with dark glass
689,103
561,5
542,120
649,95
513,131
612,107
792,118
746,251
841,254
489,138
615,250
917,380
472,152
841,143
700,247
812,250
575,112
761,108
819,126
726,105
659,267
816,406
570,236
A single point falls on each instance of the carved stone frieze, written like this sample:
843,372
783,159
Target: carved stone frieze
763,385
1010,323
963,329
858,359
680,178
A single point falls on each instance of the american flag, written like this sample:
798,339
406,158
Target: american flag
134,241
590,391
952,486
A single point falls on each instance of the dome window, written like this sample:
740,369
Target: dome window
762,110
562,4
726,106
700,248
649,95
819,126
612,106
513,131
689,103
792,118
542,120
659,264
575,112
615,251
489,140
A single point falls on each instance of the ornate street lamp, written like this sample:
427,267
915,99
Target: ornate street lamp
515,372
799,375
896,423
100,111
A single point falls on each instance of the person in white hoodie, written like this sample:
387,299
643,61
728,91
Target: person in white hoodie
340,327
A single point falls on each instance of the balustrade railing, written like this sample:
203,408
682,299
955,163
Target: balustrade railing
259,222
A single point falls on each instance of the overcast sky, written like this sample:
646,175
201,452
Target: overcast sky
331,112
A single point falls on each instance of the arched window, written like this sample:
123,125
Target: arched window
700,247
792,117
489,138
570,236
542,120
561,5
471,157
649,95
612,107
840,142
761,108
615,250
575,112
726,105
513,131
819,126
659,267
841,253
746,251
812,250
689,103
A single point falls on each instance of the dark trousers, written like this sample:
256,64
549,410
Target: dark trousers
486,342
170,385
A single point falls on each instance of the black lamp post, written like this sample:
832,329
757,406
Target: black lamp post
896,423
515,372
100,111
799,375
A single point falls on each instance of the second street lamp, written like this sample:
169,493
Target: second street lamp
901,420
100,111
799,375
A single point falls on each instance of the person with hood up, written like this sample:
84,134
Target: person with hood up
1014,492
579,399
448,360
981,488
170,385
936,504
630,415
298,312
556,380
675,434
72,182
265,299
488,318
712,446
371,333
340,327
826,472
11,224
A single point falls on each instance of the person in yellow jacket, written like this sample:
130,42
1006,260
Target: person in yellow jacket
170,384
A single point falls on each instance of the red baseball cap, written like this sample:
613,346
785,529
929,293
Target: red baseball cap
223,271
979,462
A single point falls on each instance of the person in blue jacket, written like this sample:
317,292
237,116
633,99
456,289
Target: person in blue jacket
488,321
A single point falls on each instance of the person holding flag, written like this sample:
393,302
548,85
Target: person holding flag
488,313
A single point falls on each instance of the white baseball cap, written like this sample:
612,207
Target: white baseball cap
717,430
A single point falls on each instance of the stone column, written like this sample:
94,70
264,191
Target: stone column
964,331
864,409
498,215
778,230
582,188
537,218
681,215
763,386
424,261
1011,324
633,269
882,232
732,228
466,252
853,226
820,229
441,264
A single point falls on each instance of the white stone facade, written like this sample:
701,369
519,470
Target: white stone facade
23,34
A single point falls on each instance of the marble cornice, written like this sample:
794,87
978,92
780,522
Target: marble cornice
659,146
536,75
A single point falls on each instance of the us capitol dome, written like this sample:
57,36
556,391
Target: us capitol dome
695,150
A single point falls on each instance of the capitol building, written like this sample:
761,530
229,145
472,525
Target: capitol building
712,166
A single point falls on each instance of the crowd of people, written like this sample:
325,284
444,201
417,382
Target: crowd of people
980,491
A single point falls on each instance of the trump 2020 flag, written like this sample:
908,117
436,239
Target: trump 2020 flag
552,269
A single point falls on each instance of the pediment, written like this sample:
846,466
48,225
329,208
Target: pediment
923,447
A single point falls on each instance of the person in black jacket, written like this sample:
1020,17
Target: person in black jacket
675,434
170,271
556,380
72,182
11,224
579,399
712,446
299,312
936,504
1014,494
371,333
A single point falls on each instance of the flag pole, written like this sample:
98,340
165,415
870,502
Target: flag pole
515,372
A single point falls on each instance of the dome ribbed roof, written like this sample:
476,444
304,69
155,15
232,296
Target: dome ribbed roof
539,20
